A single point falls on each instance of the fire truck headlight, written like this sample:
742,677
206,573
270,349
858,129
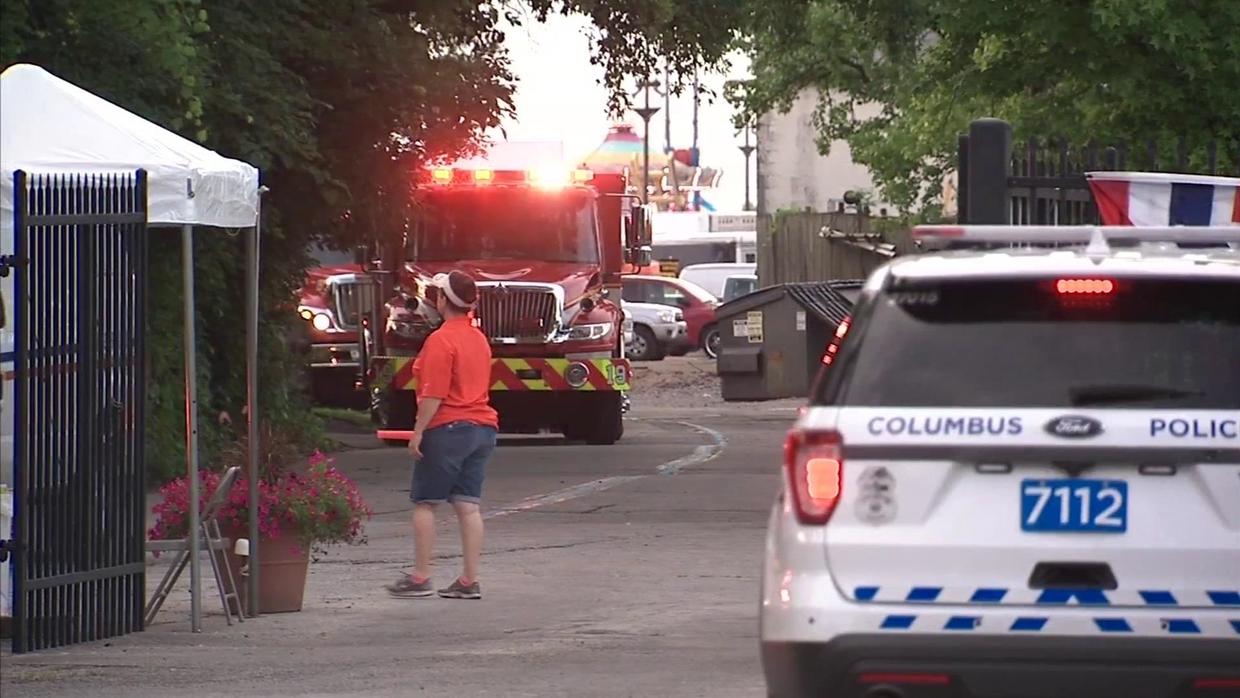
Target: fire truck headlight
409,329
307,314
322,322
593,331
577,374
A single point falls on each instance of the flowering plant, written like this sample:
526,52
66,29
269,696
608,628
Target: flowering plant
315,507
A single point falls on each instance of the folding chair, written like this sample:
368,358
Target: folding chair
213,541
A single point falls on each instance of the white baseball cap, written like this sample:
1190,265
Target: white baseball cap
457,286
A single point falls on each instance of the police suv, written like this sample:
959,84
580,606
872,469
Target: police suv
1018,475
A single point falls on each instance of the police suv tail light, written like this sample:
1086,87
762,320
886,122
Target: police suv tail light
828,356
815,463
1084,286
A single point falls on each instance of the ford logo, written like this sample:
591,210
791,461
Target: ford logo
1074,427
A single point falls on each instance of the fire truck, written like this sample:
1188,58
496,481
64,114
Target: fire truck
547,248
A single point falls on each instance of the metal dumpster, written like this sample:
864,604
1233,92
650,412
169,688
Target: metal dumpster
772,340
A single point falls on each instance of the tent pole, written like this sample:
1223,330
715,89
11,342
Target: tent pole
191,428
251,386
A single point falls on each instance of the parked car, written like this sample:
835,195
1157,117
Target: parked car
658,330
714,276
697,303
739,285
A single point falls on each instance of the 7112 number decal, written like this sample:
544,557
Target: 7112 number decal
1074,506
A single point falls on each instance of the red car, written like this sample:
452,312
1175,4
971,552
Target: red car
696,302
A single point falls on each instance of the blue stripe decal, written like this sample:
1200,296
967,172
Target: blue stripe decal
1235,625
1086,597
1224,598
1159,598
1113,625
898,622
988,596
1028,624
962,623
1181,626
8,356
924,594
1191,204
865,593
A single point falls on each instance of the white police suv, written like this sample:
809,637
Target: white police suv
1019,476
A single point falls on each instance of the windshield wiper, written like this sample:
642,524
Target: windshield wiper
1103,394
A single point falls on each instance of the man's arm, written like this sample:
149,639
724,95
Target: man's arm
433,380
426,411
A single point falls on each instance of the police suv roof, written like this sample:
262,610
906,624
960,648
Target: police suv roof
1146,260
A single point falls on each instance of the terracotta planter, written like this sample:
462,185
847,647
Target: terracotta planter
282,573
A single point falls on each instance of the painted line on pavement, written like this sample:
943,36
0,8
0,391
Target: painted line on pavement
700,454
542,500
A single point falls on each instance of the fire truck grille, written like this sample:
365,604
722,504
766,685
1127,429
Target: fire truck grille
347,303
517,314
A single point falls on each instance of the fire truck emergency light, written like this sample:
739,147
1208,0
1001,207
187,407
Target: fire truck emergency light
550,178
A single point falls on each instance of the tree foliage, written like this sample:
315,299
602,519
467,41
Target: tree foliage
1100,69
335,100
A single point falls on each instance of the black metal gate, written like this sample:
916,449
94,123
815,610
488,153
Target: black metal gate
79,519
1042,181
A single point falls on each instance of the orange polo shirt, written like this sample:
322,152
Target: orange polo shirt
455,366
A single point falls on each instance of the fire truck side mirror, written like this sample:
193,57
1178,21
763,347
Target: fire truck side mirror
640,229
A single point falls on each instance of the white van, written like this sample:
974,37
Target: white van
713,277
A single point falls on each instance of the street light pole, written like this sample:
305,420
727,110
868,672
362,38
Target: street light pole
694,157
667,110
646,112
747,149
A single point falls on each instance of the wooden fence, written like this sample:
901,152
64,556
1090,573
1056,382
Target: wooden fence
796,247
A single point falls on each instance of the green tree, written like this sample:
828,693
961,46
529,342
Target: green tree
337,102
1101,69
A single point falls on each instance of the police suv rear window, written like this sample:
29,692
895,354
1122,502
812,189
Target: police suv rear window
1103,343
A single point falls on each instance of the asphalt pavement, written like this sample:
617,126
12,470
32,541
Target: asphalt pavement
624,570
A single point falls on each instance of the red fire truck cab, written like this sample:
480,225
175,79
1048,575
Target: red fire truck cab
547,250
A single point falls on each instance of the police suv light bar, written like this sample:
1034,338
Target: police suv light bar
938,236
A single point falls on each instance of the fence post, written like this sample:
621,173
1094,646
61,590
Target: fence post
962,178
989,163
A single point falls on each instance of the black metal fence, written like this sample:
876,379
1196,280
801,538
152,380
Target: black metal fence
80,279
1042,181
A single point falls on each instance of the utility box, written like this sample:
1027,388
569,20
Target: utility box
772,340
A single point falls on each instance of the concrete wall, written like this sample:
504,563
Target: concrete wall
791,173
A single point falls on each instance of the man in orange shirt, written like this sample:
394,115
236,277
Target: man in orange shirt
453,436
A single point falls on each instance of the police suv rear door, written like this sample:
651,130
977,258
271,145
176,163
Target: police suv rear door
1039,441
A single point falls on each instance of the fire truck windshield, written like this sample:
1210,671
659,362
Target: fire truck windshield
504,223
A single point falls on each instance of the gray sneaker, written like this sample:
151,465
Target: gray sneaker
406,588
460,591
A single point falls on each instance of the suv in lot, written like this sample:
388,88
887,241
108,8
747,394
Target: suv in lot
697,304
1018,475
657,330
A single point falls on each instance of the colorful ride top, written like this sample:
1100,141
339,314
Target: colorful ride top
677,182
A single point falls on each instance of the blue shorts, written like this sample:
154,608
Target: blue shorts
453,463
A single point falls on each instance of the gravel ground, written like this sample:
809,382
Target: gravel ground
680,382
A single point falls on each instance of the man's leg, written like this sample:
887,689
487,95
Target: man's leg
423,539
469,515
433,475
466,498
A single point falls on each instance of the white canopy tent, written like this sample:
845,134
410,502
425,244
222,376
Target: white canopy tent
50,126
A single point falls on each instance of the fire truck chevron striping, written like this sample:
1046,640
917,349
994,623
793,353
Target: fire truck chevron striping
531,374
547,250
